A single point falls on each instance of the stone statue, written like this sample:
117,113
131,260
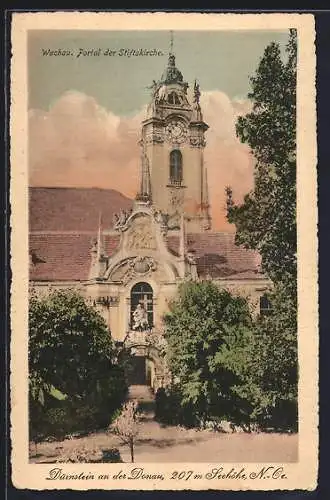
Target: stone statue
162,93
140,317
154,87
191,258
161,217
185,87
122,217
94,245
197,93
119,220
115,220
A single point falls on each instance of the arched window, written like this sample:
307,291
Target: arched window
175,167
142,315
173,98
265,305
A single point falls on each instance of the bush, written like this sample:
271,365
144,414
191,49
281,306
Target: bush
171,411
89,454
71,354
62,418
37,422
58,422
227,364
198,327
111,456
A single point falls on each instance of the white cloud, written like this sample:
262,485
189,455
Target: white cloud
79,143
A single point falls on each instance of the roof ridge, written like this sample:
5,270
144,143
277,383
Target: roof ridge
77,188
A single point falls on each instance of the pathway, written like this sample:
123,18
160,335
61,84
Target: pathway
146,399
159,443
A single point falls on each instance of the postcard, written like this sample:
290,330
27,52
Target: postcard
164,312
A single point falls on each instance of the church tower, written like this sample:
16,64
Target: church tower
173,173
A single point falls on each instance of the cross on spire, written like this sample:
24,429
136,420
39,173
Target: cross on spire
171,42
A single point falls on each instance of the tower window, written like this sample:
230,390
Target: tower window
175,167
142,315
265,305
173,98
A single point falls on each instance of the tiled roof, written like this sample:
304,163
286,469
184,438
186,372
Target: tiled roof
63,222
217,255
64,256
73,209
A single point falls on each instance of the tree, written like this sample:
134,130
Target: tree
71,353
266,220
201,320
126,425
264,362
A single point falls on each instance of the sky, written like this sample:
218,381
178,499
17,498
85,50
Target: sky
85,111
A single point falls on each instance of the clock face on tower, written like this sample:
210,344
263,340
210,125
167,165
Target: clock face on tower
176,132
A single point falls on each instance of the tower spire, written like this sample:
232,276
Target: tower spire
182,249
98,258
205,189
100,250
205,207
145,184
197,112
171,42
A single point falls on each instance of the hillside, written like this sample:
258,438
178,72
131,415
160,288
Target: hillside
73,209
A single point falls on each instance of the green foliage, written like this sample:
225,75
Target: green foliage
75,380
200,323
170,408
227,365
37,421
57,394
265,363
266,221
70,347
224,363
58,422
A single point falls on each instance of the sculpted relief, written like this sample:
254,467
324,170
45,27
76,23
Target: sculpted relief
141,236
137,267
176,198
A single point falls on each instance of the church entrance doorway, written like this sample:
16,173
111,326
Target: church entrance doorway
140,369
136,372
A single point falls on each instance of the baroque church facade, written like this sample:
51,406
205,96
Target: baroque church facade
130,267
